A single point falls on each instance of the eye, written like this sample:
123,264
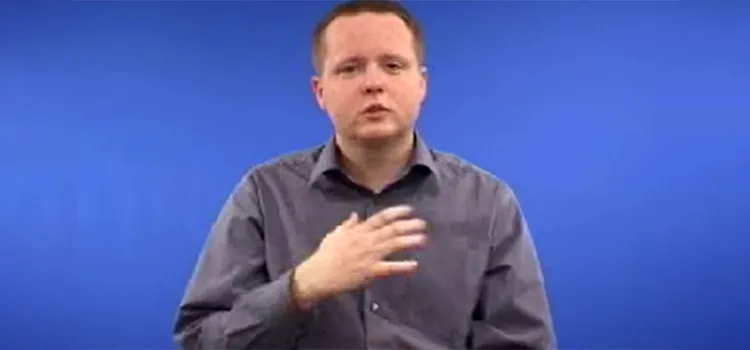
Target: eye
346,69
393,66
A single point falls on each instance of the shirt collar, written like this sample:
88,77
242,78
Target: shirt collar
327,160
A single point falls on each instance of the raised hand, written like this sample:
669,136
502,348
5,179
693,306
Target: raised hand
353,254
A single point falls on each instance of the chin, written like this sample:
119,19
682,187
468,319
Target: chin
376,134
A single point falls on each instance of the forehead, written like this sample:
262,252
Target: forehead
368,34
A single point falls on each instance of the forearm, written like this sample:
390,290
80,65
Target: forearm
513,311
263,317
523,323
231,302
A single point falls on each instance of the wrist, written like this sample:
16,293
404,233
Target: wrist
303,292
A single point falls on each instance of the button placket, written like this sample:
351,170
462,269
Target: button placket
369,304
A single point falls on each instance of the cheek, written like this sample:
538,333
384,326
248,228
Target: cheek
342,100
408,96
340,105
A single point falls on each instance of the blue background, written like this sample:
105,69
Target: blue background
624,127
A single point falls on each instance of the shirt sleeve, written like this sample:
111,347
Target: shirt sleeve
512,311
230,301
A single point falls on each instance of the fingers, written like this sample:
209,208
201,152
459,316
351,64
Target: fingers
386,216
398,228
350,222
399,243
390,268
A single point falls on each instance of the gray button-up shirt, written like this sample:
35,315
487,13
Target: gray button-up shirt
478,284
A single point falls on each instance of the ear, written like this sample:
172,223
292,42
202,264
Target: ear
423,82
316,87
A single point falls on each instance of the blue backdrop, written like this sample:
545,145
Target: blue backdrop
624,128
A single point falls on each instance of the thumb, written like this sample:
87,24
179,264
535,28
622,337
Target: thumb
351,220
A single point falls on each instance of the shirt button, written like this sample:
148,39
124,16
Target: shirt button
374,306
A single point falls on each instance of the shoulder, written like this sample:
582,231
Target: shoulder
458,172
285,168
487,195
479,194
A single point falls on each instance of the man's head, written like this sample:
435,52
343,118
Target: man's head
368,57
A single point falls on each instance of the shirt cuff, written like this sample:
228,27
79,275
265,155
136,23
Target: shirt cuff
273,310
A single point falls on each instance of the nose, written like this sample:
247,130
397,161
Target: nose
374,81
373,89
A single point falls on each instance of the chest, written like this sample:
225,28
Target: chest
451,265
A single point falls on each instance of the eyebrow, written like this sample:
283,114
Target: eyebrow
360,59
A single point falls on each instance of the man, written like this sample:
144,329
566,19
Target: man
372,240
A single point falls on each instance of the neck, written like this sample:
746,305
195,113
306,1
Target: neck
375,166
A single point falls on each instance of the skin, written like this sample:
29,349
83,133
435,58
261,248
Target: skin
353,254
369,58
